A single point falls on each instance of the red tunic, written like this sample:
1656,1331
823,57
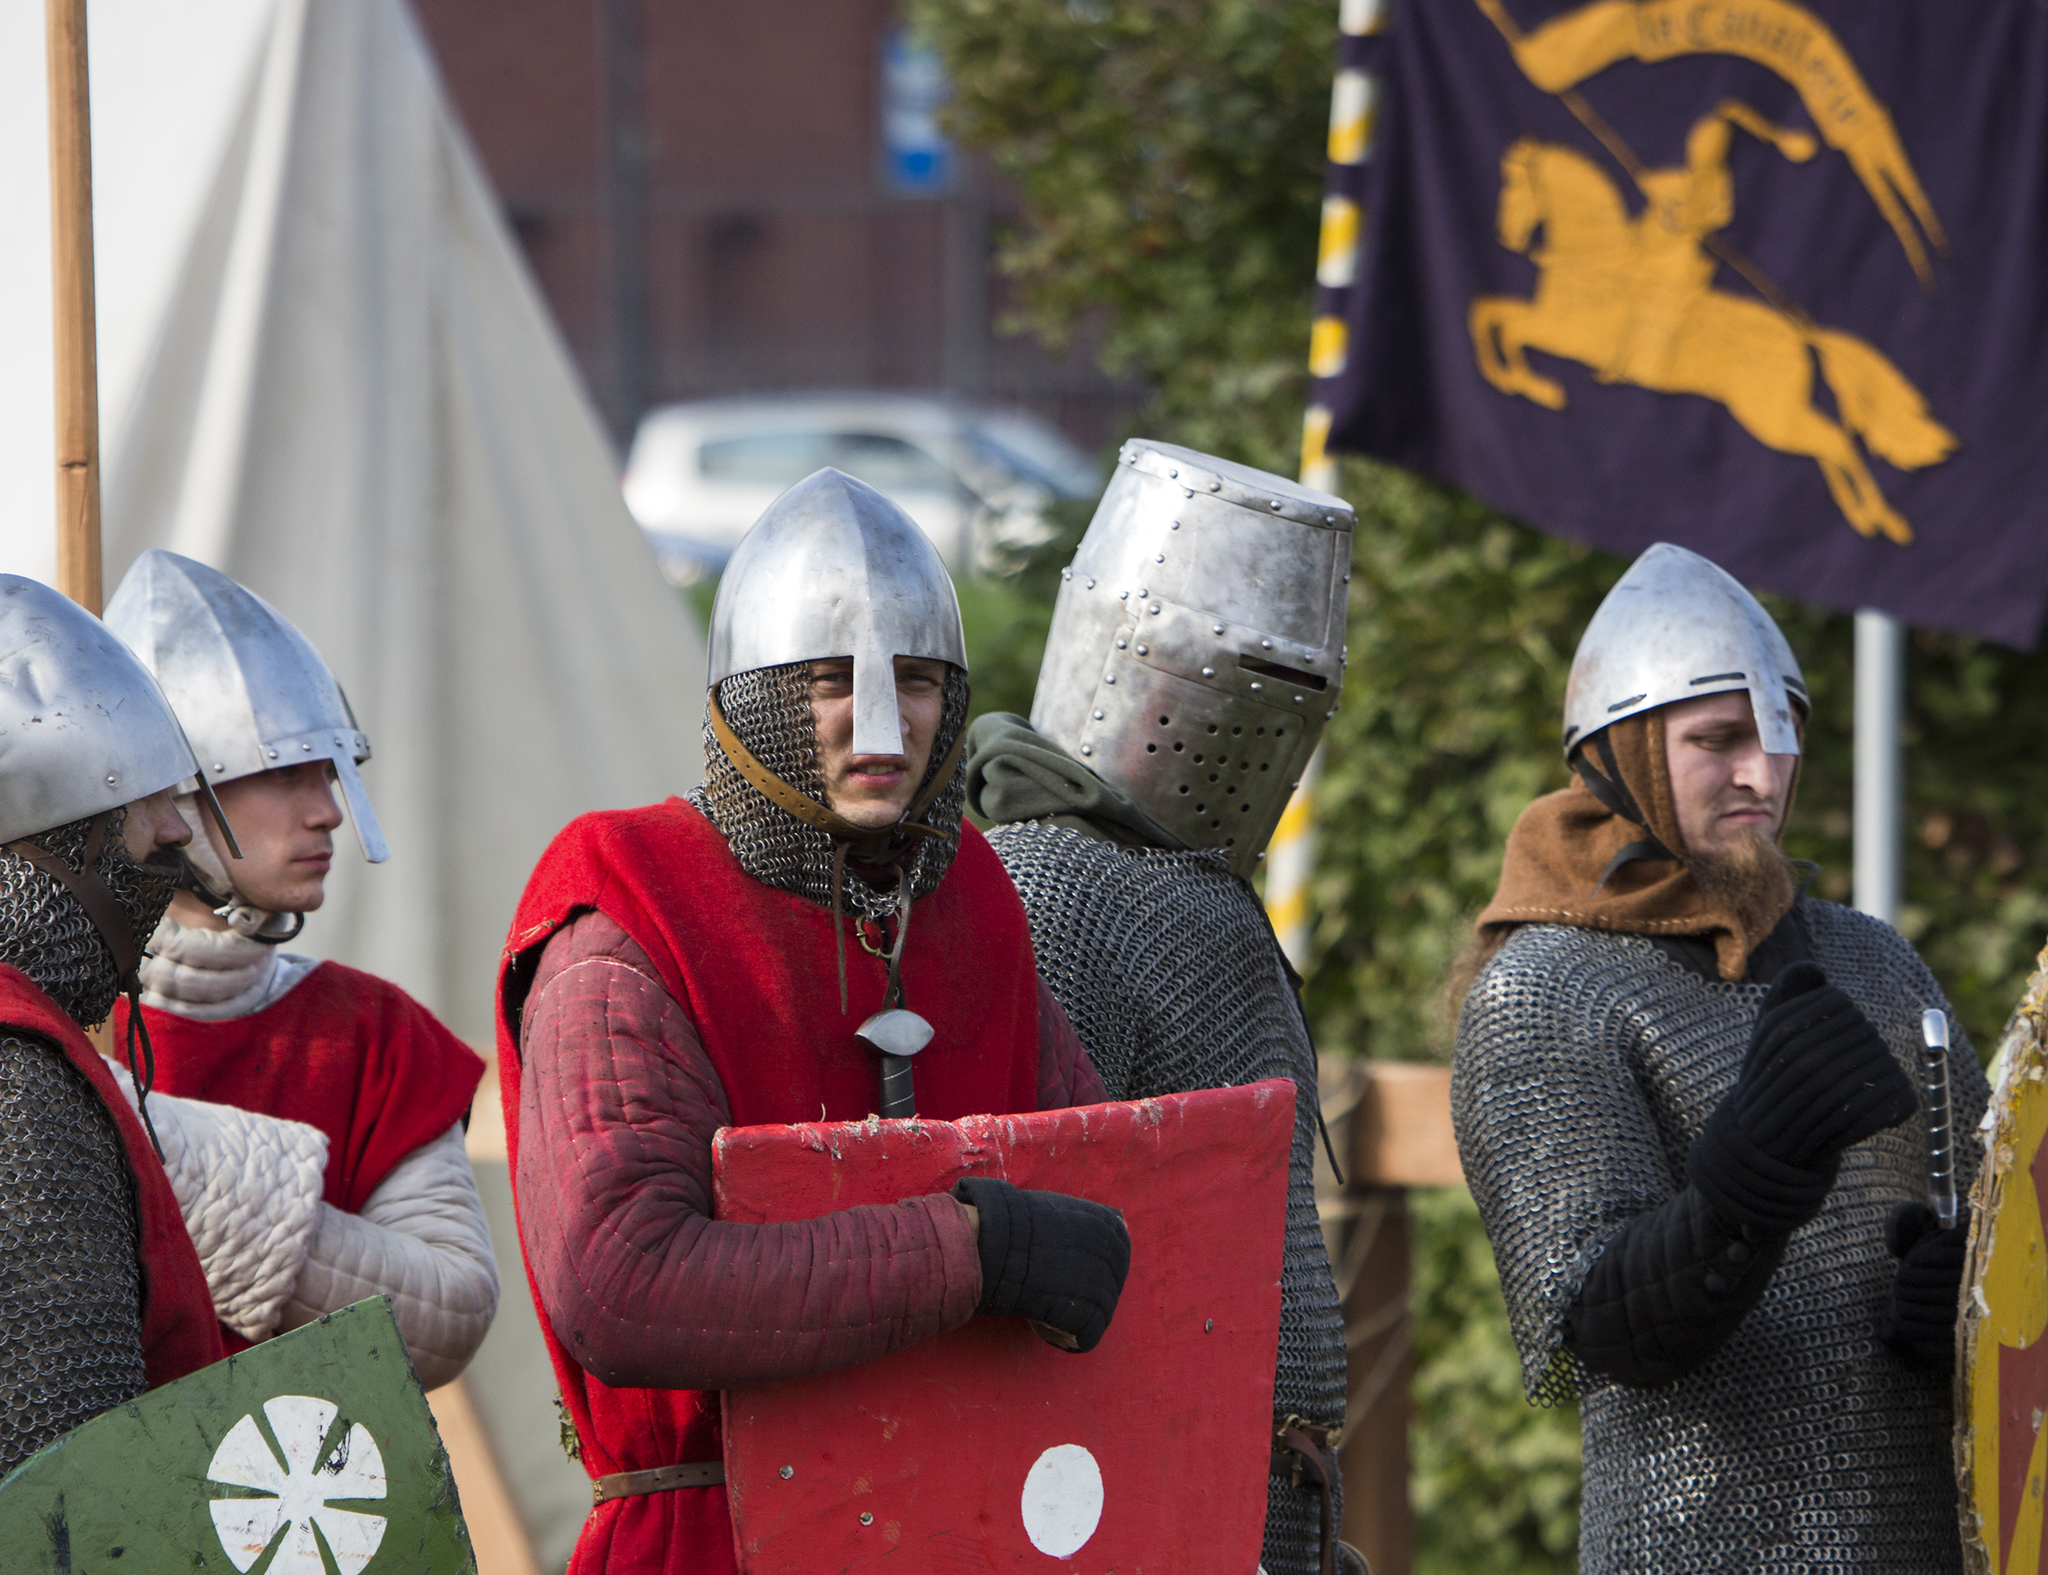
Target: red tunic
342,1050
179,1334
754,969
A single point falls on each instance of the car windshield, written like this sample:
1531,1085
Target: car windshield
781,459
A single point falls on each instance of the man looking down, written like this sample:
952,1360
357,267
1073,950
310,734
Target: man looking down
706,962
1683,1106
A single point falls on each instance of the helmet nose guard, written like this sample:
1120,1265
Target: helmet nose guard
1674,627
835,569
253,693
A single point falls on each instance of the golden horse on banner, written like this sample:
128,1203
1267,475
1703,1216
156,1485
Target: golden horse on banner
1633,299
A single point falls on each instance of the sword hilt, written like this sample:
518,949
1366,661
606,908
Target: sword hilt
1941,1137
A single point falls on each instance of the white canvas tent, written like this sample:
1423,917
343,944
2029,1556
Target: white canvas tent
354,402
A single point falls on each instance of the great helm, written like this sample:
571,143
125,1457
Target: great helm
833,568
1197,647
252,692
83,726
1676,626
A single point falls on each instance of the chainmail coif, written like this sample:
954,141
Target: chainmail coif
769,709
1587,1063
1166,967
47,935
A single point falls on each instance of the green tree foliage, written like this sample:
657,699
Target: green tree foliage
1169,156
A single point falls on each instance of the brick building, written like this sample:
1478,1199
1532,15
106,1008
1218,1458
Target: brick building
704,191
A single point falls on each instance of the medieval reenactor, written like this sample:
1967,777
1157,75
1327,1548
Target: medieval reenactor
1683,1103
103,1294
315,1133
1195,656
715,961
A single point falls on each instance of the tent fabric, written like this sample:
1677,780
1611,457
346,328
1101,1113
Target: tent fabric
358,406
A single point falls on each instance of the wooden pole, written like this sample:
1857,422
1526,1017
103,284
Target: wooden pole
71,276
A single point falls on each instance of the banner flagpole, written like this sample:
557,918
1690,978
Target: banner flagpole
71,277
1877,846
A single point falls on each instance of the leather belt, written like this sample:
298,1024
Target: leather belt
627,1484
1304,1452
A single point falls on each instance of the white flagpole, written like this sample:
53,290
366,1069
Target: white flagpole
1879,843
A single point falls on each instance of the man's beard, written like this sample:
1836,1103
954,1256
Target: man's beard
1752,882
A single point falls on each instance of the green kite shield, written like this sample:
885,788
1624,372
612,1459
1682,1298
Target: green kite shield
311,1454
2002,1335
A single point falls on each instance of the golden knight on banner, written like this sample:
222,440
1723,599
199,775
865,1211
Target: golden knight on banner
1632,297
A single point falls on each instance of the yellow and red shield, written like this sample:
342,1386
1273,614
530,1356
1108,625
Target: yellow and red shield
2002,1371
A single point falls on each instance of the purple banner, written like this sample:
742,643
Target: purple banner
1766,279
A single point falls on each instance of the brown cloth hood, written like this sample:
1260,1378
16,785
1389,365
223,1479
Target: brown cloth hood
1564,860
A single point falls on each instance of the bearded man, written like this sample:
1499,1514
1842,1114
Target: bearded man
312,1114
1182,694
103,1296
1683,1106
711,962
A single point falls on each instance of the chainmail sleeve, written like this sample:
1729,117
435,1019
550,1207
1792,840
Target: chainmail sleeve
1542,1064
70,1280
1167,969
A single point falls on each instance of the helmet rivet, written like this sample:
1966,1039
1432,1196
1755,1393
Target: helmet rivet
1143,593
1089,749
1066,574
1091,582
1121,642
1123,596
1208,672
112,779
1216,627
1161,558
1215,486
308,748
1173,473
788,1472
271,753
1109,678
1098,713
867,1517
1153,609
1144,650
1176,524
1257,686
1276,505
1297,699
1267,644
1347,576
218,766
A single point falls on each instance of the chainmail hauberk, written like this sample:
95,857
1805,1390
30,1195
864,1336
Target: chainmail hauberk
1587,1064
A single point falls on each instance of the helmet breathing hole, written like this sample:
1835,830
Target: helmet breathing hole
1235,731
1177,748
1165,721
1212,727
1198,760
1183,787
1151,749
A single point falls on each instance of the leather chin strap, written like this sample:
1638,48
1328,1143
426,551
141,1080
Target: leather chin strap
108,917
870,844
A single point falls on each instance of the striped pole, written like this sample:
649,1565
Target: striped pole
1354,100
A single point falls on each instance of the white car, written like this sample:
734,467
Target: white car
976,480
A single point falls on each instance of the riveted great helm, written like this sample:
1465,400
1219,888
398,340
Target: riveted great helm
833,568
252,692
84,728
1197,647
1676,626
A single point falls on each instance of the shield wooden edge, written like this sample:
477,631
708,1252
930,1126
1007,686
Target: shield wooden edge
2002,1333
985,1449
318,1440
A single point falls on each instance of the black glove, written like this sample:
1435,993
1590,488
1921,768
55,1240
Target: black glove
1927,1290
1048,1257
1818,1079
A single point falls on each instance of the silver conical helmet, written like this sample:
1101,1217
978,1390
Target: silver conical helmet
1676,626
252,692
833,568
83,726
1197,647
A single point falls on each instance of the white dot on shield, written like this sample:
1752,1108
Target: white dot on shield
1062,1500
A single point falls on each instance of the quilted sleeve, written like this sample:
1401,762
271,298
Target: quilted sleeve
1066,1076
249,1188
618,1104
420,1239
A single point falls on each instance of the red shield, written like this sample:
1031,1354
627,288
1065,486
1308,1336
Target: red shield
986,1449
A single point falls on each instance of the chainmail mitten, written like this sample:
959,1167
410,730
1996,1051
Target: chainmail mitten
1920,1324
1818,1078
1054,1259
